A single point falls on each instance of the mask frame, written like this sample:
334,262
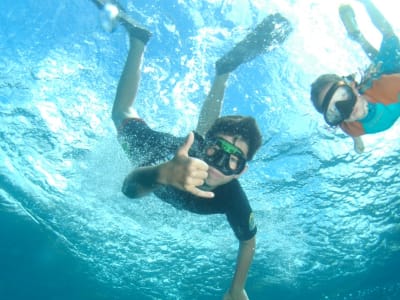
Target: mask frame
344,107
222,159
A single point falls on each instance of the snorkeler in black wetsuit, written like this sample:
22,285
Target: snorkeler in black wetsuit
198,173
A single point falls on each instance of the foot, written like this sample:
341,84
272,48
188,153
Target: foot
348,18
134,29
269,34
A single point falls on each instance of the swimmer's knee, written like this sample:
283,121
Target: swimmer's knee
119,117
117,121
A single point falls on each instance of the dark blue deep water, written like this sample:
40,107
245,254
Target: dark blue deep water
328,219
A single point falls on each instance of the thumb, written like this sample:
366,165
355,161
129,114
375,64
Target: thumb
184,149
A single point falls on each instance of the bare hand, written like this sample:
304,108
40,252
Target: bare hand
358,145
186,173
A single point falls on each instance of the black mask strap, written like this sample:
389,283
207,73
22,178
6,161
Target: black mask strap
329,94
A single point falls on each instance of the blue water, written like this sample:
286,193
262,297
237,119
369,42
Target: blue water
328,219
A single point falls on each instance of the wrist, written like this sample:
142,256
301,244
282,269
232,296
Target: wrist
163,171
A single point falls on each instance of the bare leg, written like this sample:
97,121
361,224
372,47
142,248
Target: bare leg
130,77
348,18
267,35
128,84
378,19
211,108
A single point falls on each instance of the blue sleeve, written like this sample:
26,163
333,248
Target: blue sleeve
380,117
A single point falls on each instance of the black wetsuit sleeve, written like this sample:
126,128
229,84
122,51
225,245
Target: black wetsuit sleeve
229,199
238,210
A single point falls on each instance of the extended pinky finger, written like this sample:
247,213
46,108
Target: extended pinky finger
200,193
195,181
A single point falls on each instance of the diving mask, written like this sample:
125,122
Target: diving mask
224,156
338,103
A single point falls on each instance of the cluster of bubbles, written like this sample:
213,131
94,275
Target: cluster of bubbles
109,17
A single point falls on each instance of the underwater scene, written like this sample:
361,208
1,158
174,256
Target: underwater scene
328,217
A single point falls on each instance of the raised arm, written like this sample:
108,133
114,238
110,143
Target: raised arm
244,259
182,172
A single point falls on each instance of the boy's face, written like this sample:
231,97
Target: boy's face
228,156
337,101
345,104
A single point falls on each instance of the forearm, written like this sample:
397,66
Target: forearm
243,263
141,181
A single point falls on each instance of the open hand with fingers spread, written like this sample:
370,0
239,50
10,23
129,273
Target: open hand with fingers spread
184,172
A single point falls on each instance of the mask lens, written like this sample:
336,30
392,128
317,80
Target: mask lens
333,117
339,103
345,107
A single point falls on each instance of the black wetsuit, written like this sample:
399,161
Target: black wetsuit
145,146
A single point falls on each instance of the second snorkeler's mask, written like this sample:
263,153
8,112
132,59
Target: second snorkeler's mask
224,156
344,100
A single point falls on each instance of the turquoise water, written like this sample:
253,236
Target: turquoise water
328,218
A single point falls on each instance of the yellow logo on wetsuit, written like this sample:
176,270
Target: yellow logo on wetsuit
252,222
